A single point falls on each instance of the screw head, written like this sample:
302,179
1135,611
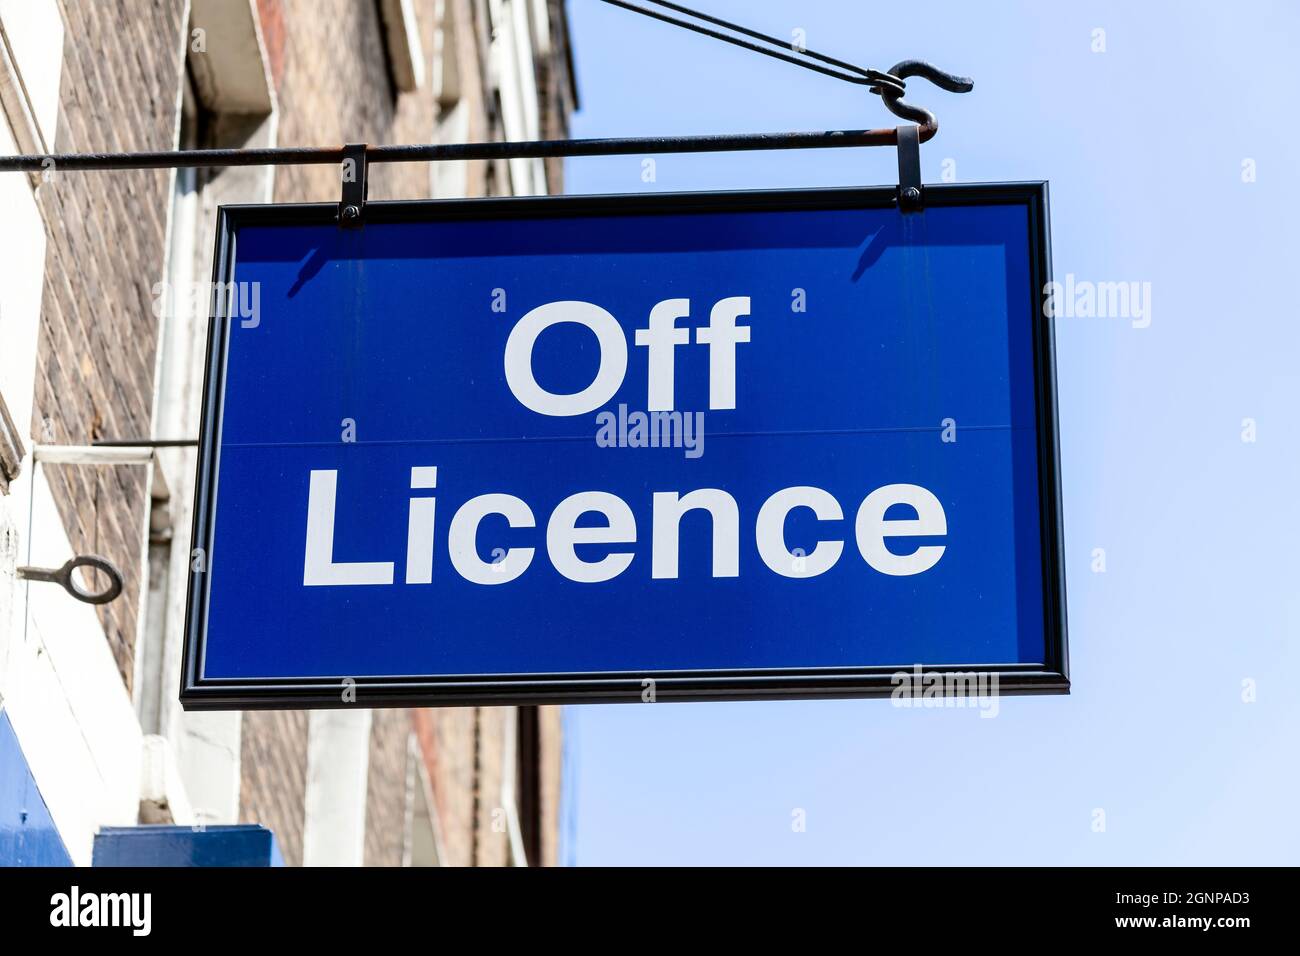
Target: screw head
350,213
912,194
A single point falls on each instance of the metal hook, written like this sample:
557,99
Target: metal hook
686,17
63,577
889,86
924,118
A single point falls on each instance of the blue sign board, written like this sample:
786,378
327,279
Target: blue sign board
697,446
243,845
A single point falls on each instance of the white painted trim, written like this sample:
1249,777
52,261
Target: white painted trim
514,73
22,270
541,28
93,454
61,688
422,843
161,783
338,766
402,39
509,777
59,682
233,72
31,69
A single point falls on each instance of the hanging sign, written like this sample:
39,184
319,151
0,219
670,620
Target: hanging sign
699,446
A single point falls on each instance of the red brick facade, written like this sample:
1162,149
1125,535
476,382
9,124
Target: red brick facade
99,339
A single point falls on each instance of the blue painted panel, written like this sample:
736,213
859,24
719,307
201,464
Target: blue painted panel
910,320
28,836
243,845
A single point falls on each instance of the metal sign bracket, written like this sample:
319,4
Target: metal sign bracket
352,205
910,197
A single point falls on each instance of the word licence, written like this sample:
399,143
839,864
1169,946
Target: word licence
564,535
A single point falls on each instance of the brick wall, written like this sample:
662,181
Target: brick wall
550,759
447,740
386,788
329,65
106,231
273,776
556,92
491,839
98,338
333,87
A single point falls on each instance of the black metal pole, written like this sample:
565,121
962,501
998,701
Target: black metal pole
542,148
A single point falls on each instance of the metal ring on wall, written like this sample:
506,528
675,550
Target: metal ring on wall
63,577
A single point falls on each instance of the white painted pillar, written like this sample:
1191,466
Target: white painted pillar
338,764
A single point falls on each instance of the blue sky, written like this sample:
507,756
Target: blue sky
1143,145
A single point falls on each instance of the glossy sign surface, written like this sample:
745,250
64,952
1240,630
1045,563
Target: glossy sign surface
748,444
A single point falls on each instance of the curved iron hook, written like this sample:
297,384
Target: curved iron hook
918,114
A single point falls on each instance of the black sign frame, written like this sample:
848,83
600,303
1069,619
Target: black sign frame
1051,677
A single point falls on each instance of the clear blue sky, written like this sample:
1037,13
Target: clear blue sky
1143,146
